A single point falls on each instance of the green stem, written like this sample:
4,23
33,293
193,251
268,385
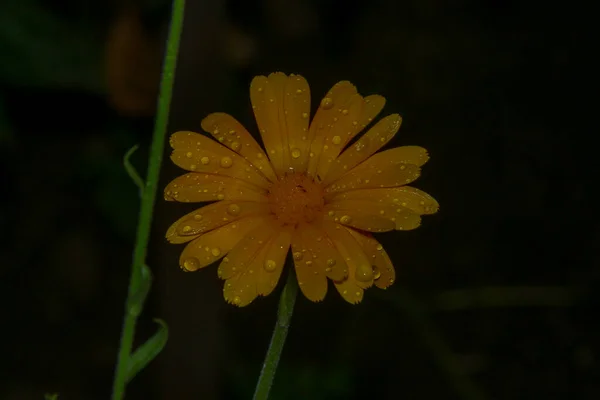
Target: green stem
148,198
284,315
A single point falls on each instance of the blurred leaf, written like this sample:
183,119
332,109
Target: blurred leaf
148,351
51,396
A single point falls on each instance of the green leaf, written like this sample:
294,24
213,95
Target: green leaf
148,351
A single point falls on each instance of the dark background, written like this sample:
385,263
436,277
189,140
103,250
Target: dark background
496,294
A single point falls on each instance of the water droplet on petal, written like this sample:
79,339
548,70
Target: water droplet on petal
235,146
304,115
204,160
198,217
327,103
297,255
295,153
233,209
220,196
186,229
216,252
345,219
376,272
191,264
364,273
270,265
226,162
331,262
189,154
379,247
236,300
336,140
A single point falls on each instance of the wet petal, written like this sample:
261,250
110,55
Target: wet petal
281,106
408,197
195,187
198,153
232,134
272,260
239,269
371,175
367,145
384,273
213,216
211,246
369,215
360,272
317,251
345,123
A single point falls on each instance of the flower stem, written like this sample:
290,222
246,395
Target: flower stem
136,282
284,316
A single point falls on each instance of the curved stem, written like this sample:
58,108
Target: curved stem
284,316
136,280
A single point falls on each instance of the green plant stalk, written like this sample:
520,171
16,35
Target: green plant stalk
148,198
284,316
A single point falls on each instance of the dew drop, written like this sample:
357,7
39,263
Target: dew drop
345,112
233,209
331,262
237,300
204,160
297,255
379,247
189,154
191,264
198,217
345,219
235,146
304,115
216,252
220,196
270,265
295,153
364,273
327,103
226,162
376,272
336,140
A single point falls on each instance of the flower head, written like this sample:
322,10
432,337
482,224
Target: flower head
310,190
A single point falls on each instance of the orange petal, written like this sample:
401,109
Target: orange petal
346,122
281,106
365,147
195,187
239,269
232,134
198,153
369,215
272,261
383,269
311,271
213,245
338,98
373,175
316,250
408,197
360,271
212,216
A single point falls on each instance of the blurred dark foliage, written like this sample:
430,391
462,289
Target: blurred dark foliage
497,91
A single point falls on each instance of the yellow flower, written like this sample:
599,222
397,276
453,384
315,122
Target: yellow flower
312,191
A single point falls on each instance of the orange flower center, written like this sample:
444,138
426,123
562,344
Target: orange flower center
296,198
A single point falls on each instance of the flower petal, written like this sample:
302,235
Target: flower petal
344,124
365,147
369,215
383,269
371,175
232,134
211,246
312,271
213,216
198,153
281,106
360,271
241,269
272,261
408,197
195,187
316,250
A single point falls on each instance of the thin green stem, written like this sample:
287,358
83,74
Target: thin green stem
148,199
284,316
